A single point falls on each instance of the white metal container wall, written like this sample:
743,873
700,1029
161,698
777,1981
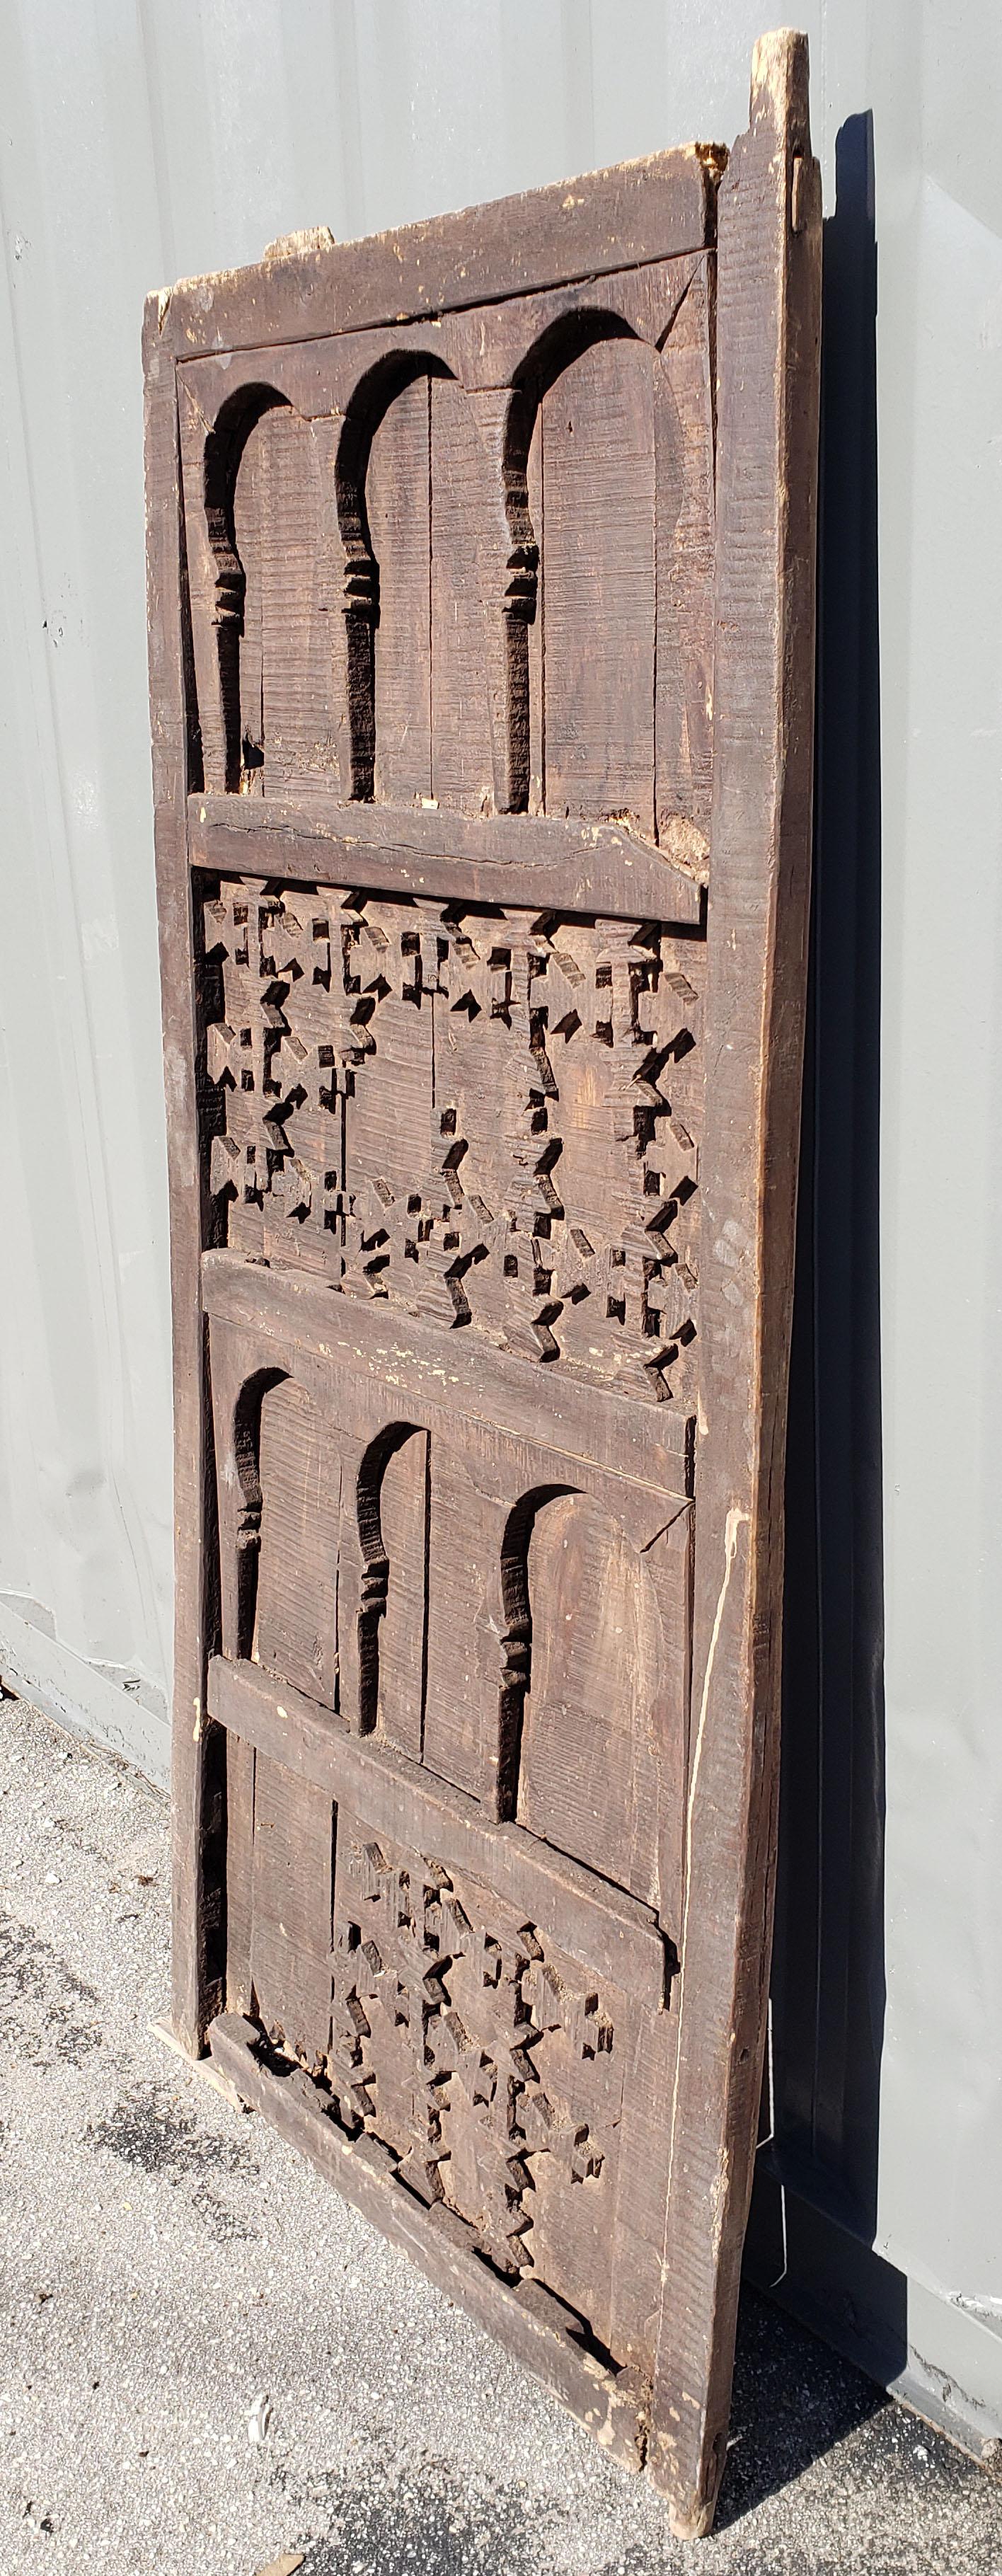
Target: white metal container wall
141,140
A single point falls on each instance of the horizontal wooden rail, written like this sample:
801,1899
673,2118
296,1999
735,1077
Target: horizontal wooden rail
525,861
614,1935
585,227
457,1376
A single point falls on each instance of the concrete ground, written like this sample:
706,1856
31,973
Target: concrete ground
208,2364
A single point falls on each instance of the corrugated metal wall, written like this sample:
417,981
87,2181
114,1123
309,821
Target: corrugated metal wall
145,139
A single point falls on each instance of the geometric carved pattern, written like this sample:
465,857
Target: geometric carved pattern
460,2045
487,1118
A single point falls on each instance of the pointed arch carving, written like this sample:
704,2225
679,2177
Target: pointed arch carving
388,397
225,445
391,1504
516,1640
246,1532
608,451
588,1770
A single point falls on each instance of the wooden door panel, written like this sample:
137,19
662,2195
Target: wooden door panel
397,489
467,1655
599,1771
398,1617
295,1625
291,1892
468,576
481,573
490,1121
599,612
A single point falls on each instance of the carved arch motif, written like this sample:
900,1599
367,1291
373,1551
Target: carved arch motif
588,1770
391,1515
516,1641
225,447
379,578
389,398
607,461
279,1488
272,723
246,1532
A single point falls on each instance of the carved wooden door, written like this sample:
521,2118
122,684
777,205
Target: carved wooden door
481,654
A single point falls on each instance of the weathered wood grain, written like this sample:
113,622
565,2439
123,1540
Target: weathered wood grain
397,500
292,1898
596,1594
597,868
295,1630
598,559
610,219
241,1764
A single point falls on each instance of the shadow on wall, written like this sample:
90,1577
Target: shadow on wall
814,2209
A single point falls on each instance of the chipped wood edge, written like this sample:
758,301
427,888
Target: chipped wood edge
308,287
571,867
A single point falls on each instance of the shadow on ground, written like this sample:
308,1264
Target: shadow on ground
793,2401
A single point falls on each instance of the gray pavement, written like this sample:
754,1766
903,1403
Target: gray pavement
209,2364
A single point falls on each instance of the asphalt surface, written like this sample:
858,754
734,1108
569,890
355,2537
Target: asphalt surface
208,2364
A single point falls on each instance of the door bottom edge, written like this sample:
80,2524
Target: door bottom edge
530,2322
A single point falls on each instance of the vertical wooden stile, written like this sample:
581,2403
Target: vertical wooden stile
768,337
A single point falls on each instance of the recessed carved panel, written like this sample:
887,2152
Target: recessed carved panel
469,2048
489,1119
602,1770
494,1609
509,2084
425,577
